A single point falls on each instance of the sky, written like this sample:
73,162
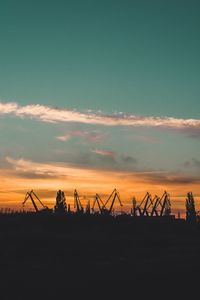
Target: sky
97,95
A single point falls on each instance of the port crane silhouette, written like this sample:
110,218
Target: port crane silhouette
103,207
32,195
149,206
77,203
164,204
99,202
143,208
158,206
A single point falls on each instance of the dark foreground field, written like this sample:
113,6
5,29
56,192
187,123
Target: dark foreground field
67,258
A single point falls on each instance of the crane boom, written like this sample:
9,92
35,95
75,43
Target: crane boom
109,197
147,204
30,195
156,203
34,204
38,199
115,196
166,205
96,200
77,203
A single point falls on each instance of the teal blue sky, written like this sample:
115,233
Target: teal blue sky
140,57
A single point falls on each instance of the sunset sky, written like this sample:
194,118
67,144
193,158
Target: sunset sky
97,95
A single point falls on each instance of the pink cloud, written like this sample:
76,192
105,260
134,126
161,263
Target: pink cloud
93,136
104,152
64,138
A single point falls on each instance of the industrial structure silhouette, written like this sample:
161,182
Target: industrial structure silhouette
148,208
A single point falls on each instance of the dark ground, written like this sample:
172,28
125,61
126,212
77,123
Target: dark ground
59,257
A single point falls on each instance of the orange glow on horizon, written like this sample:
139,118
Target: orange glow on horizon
88,182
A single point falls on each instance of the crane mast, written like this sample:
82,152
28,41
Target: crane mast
166,205
77,203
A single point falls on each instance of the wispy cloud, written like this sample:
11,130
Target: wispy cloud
64,138
55,170
103,152
57,115
127,159
173,179
118,161
91,136
9,107
28,167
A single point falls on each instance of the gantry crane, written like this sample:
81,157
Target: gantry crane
32,195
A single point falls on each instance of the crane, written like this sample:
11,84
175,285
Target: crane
77,203
157,202
32,195
143,207
148,204
99,202
114,195
164,203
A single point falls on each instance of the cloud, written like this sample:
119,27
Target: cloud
167,178
64,138
57,115
163,178
46,178
30,169
104,152
91,136
9,107
127,159
44,170
190,131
